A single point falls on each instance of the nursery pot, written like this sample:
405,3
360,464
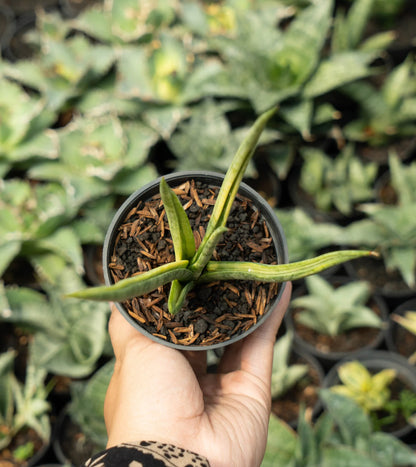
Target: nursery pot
399,339
329,350
276,237
376,361
70,445
287,406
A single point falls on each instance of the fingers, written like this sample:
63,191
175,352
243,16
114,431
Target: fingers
255,353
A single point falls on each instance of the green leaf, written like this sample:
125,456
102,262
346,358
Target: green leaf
137,285
281,445
394,88
348,30
183,241
179,225
177,295
346,456
285,376
349,417
232,182
385,447
338,70
227,270
9,249
87,404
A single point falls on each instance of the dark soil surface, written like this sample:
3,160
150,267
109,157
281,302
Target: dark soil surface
214,312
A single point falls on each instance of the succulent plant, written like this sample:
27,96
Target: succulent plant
386,113
34,224
24,130
349,29
390,229
23,406
68,335
333,310
87,404
342,435
193,266
285,375
371,392
341,182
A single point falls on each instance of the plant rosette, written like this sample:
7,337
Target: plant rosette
220,312
401,334
390,383
183,243
329,349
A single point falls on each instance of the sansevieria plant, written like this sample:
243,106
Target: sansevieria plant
193,266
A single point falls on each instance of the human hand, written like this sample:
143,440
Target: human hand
161,394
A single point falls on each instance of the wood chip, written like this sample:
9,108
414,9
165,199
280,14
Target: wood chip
188,204
195,196
232,287
208,201
189,340
161,336
236,328
261,301
254,219
230,303
172,336
197,238
248,297
148,255
224,317
118,267
266,230
181,330
131,213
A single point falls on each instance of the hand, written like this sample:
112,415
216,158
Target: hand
161,394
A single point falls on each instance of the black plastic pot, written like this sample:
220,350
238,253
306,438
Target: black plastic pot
328,359
215,179
7,25
389,284
315,366
399,339
376,361
70,445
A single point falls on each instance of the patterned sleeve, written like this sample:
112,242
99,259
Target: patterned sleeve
146,454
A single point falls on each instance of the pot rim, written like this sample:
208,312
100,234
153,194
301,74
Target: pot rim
148,190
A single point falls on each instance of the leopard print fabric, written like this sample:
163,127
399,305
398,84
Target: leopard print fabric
146,454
